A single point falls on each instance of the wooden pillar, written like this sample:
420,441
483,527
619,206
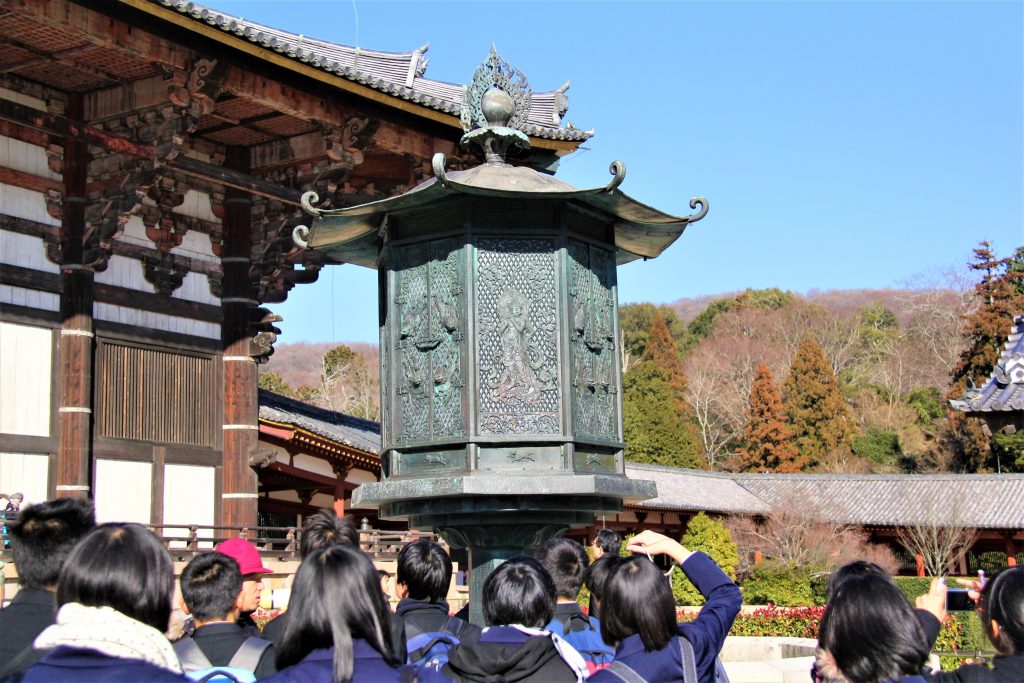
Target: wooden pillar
1011,552
241,409
339,489
74,409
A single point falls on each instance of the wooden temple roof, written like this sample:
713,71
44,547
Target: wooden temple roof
355,436
1004,390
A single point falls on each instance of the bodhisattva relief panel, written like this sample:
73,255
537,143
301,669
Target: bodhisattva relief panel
518,336
592,340
429,381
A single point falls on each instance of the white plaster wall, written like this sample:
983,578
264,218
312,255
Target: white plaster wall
26,473
28,204
196,287
122,271
361,477
313,464
26,251
322,500
134,232
20,98
155,321
25,365
123,491
189,496
31,298
25,157
197,205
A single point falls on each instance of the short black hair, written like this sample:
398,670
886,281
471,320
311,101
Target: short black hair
520,591
210,585
1002,601
336,597
609,541
637,598
598,574
123,566
567,563
43,535
325,528
854,568
870,630
425,569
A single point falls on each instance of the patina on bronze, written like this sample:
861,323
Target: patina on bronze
501,408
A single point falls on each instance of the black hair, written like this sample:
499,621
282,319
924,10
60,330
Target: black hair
596,579
520,591
210,585
567,563
123,566
1002,601
855,568
43,535
870,630
636,598
325,528
335,598
609,541
425,569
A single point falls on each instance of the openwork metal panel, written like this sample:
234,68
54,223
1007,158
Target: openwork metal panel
150,395
517,332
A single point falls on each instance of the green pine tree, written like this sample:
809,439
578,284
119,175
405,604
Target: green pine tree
272,381
654,433
709,536
818,416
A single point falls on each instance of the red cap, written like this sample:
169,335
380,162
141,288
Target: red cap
245,554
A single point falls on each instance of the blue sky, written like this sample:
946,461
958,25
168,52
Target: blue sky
841,144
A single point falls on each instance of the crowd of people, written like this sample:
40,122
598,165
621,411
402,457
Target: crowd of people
95,603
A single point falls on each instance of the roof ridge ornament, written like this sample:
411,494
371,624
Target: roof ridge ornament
495,108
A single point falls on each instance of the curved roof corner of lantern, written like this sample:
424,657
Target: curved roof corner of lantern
493,116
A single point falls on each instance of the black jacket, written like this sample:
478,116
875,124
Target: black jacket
502,654
425,616
29,613
220,642
1003,670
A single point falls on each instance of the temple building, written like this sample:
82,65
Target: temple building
152,157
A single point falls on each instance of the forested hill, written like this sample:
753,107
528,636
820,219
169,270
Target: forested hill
768,380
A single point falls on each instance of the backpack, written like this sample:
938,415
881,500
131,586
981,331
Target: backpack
587,641
241,668
429,650
689,662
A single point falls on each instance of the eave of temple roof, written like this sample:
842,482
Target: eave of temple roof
353,432
1004,390
397,74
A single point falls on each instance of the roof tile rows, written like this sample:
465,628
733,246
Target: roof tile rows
1004,390
355,432
396,73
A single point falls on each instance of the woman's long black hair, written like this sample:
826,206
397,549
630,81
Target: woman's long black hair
637,598
871,631
1002,601
336,598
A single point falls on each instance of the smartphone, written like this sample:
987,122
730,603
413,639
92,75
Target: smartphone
957,600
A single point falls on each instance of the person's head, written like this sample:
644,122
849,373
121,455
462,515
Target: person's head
425,570
637,599
854,568
211,587
123,566
336,597
325,528
250,565
607,542
597,577
519,591
1002,611
42,537
870,630
16,499
566,561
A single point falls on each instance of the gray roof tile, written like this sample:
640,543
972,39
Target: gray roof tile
363,435
1004,390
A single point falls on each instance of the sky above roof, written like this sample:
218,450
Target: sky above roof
840,144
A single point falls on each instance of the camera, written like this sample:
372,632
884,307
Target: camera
957,600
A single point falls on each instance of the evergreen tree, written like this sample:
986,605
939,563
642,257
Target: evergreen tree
272,381
712,537
635,323
767,444
661,350
654,433
818,416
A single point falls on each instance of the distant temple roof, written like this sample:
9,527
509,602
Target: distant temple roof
1004,390
399,74
363,435
989,501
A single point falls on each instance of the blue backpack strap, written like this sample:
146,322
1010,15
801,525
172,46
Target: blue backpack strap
191,657
689,660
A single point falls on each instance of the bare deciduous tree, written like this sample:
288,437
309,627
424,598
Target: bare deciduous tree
940,534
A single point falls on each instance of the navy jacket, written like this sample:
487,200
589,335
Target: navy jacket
1004,669
706,633
75,665
369,667
29,613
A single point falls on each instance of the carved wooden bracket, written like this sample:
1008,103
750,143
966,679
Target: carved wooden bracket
164,271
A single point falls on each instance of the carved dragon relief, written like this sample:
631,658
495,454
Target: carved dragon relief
593,343
429,374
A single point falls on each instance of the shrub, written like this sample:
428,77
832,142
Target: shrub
709,536
779,622
913,586
781,585
992,562
878,446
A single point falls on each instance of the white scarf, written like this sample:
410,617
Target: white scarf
108,631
